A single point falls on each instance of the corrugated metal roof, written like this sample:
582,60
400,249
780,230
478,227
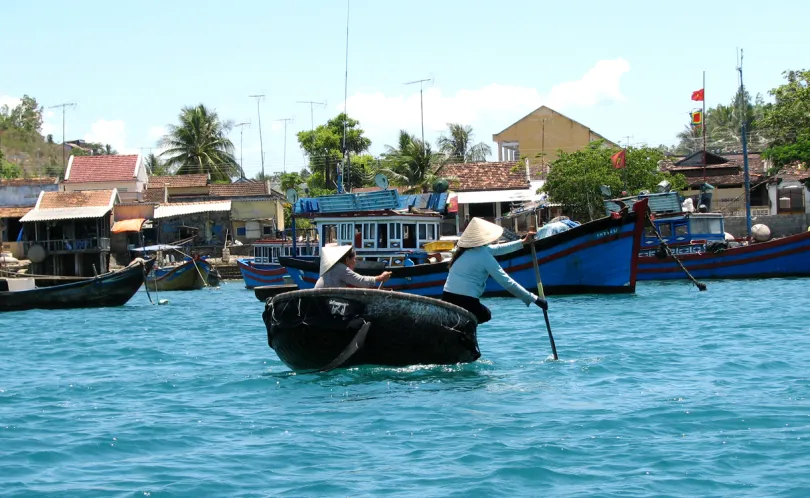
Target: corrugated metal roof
486,196
169,210
73,213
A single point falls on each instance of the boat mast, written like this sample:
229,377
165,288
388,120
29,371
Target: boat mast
743,102
344,167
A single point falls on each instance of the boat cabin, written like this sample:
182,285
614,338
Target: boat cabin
385,236
377,226
269,250
684,232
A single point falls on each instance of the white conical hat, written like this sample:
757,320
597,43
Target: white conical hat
330,255
480,233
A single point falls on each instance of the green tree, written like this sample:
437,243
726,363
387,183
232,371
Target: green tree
9,170
788,120
324,145
199,145
412,163
27,115
155,166
575,178
458,147
291,180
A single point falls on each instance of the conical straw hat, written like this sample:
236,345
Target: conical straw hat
330,255
480,233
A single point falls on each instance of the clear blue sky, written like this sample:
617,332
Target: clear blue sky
622,68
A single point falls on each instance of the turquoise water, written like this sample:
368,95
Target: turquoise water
667,392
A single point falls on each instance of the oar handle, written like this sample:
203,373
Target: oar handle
543,296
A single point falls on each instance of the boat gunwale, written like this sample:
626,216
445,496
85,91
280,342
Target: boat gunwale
348,293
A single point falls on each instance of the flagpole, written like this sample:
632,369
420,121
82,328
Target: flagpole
704,126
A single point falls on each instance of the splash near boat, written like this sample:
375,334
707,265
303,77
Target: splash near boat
322,329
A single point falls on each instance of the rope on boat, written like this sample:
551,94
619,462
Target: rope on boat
700,285
204,280
146,283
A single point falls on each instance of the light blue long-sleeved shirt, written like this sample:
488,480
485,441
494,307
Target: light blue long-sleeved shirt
468,276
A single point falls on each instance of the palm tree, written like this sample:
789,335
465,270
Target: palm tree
412,163
458,147
155,166
199,145
690,140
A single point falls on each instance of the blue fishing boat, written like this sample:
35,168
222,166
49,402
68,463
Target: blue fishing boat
263,268
595,257
699,241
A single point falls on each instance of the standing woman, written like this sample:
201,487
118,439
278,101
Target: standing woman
337,269
474,262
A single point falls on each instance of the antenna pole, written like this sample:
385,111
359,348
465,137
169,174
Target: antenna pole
421,106
345,104
258,98
241,156
67,104
312,104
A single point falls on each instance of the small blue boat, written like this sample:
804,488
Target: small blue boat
263,269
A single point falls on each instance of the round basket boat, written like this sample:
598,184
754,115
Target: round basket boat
322,329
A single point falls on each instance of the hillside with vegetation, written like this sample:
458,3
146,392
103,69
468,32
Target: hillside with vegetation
24,152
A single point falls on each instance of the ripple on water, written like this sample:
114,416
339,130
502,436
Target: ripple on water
668,391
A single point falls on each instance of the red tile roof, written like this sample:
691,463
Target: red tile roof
797,171
26,182
153,195
14,212
101,168
237,189
86,198
200,180
485,176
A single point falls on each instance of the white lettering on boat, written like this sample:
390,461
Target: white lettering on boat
605,233
338,307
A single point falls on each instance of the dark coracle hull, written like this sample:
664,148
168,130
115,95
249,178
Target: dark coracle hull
321,329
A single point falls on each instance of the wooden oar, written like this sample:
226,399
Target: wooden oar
542,295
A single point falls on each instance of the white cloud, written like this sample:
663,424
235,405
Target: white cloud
156,132
488,109
110,132
10,101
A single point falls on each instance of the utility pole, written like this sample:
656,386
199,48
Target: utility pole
421,105
259,98
285,141
241,156
67,104
311,111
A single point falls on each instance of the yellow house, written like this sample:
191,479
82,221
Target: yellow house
539,135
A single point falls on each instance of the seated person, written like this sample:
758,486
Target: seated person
337,269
